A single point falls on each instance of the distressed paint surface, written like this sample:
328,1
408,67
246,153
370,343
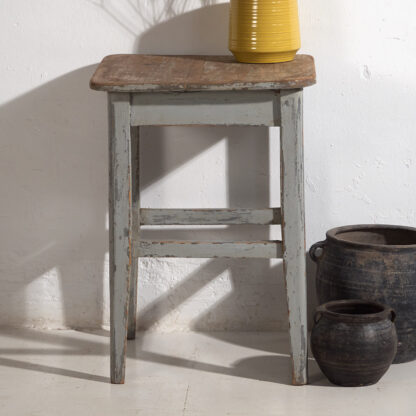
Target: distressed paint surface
126,207
135,181
293,227
120,230
210,216
198,249
228,108
138,73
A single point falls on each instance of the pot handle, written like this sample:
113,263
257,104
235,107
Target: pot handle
317,316
314,247
392,315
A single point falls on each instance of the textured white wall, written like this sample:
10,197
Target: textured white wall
359,149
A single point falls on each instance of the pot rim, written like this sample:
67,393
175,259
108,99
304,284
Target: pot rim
332,234
386,311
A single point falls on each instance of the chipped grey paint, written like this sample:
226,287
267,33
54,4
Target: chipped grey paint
293,227
228,108
135,180
198,249
268,108
209,216
120,229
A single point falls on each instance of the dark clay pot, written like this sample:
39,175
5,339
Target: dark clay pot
372,262
354,341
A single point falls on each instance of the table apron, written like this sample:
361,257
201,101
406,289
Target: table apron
227,108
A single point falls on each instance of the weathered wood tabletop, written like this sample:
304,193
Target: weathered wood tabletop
138,73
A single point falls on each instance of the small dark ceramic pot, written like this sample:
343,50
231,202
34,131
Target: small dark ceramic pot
354,341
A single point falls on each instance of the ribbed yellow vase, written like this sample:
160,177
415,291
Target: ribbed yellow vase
264,31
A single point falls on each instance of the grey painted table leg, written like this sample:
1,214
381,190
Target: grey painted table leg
135,156
293,228
120,186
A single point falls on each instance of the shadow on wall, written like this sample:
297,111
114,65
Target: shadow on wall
204,29
196,31
54,164
53,214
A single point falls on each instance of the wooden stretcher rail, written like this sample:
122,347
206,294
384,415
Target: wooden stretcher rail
198,249
210,216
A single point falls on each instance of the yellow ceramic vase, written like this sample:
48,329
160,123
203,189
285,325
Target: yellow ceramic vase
264,31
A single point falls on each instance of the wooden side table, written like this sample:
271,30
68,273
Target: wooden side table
202,90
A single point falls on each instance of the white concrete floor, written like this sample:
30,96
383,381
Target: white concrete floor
63,373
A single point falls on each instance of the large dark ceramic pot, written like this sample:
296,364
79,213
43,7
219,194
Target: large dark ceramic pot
372,262
353,341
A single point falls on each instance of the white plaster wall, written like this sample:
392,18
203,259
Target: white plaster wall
359,148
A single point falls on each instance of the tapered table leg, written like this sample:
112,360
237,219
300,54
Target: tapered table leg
293,228
120,213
